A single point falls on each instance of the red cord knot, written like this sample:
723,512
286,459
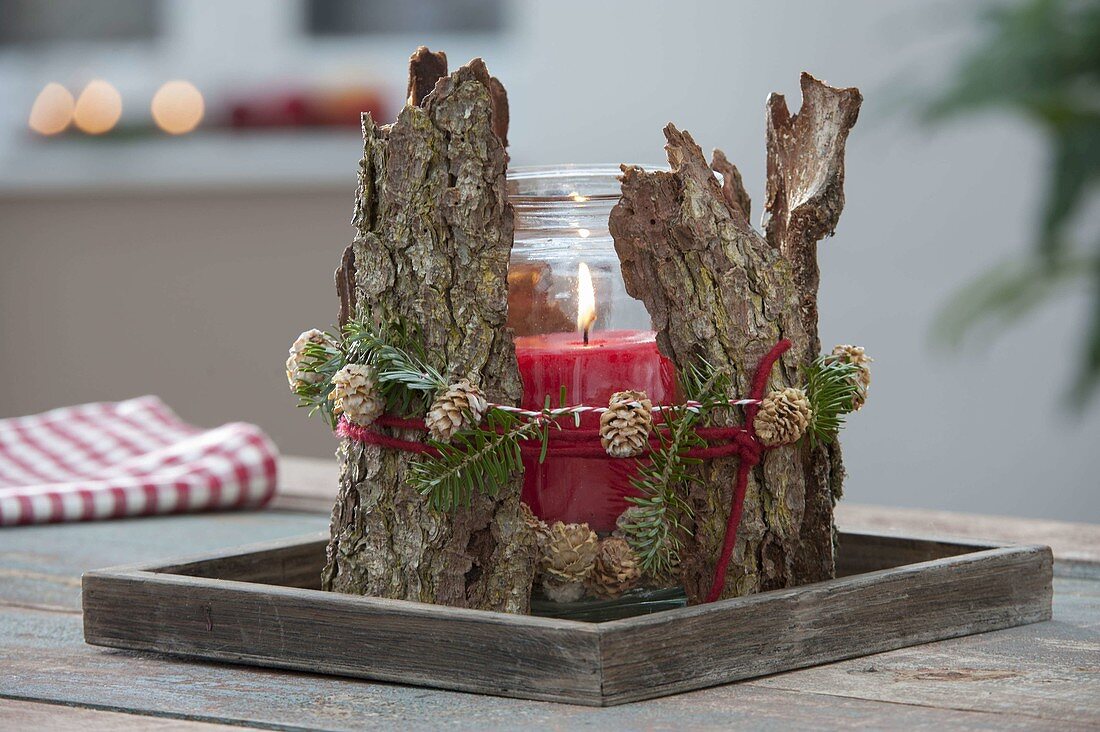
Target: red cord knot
752,450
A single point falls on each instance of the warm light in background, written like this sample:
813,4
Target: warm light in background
177,107
98,108
52,110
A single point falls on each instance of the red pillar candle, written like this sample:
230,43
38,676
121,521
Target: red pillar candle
564,264
576,490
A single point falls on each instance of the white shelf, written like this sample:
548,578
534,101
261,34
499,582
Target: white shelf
246,159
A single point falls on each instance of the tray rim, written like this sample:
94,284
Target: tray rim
608,649
161,571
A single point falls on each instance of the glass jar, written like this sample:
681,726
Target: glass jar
579,338
579,335
561,216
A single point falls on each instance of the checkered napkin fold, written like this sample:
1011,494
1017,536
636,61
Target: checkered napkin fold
131,458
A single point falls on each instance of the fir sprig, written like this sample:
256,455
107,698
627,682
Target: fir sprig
481,459
405,378
654,527
660,510
832,387
474,461
702,382
325,359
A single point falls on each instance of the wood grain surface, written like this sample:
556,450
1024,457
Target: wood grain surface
20,716
1042,676
845,618
260,605
1076,546
333,633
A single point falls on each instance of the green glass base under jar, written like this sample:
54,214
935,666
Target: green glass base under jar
641,601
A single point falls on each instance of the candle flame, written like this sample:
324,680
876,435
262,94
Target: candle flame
586,300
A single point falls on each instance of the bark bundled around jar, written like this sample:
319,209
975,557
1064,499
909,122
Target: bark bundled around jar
435,234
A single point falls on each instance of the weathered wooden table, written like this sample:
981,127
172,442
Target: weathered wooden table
1038,676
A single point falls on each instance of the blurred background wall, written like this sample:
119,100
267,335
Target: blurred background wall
135,261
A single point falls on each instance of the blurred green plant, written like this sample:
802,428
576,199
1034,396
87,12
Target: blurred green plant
1039,59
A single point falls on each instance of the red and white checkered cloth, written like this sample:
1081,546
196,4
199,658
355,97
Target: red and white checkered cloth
131,458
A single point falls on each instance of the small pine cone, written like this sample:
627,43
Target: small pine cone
569,553
783,417
617,569
294,373
355,394
535,525
856,355
624,427
460,407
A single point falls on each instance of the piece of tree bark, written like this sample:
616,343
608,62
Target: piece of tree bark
717,289
425,69
805,184
435,236
345,285
733,188
501,115
805,195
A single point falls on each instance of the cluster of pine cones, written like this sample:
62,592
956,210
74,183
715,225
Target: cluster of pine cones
784,415
356,396
782,418
574,561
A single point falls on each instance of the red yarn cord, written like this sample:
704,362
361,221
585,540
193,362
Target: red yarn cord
368,436
759,383
722,442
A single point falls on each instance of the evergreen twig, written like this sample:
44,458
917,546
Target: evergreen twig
405,378
325,359
655,525
474,461
832,387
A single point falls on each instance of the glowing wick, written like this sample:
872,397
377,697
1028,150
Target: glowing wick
586,300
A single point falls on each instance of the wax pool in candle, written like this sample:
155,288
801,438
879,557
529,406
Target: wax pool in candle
576,490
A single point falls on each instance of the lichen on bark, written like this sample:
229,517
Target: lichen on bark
717,289
434,238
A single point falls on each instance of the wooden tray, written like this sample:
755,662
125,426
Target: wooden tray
260,605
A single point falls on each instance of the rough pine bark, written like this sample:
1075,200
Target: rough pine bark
717,289
434,239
